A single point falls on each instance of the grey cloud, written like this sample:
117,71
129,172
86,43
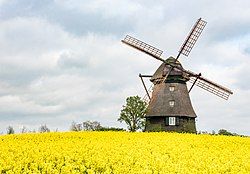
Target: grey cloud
18,76
70,60
75,22
229,31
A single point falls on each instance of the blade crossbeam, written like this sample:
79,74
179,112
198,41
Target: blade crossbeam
142,46
210,88
192,37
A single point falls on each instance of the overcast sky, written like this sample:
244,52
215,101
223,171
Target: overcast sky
62,60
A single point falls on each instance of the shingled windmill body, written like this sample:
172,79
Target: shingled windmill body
170,107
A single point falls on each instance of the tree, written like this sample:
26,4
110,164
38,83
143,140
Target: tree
111,129
24,130
224,132
75,127
133,113
91,125
10,130
44,128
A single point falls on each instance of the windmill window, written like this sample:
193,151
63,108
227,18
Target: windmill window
171,103
171,121
171,88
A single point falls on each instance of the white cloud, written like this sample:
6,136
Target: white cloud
106,7
17,105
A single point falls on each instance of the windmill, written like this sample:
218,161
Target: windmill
170,107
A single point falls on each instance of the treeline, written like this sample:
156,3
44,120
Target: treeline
220,132
96,126
92,126
41,129
84,126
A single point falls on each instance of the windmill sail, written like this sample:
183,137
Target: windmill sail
192,37
185,49
211,87
204,83
170,107
189,41
142,46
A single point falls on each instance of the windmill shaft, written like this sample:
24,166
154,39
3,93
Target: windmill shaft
178,55
193,83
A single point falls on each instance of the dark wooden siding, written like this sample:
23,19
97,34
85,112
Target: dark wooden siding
185,124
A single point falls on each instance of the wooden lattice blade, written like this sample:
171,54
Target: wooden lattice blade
142,46
211,87
192,37
204,83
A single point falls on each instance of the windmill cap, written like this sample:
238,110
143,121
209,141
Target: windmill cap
158,75
172,60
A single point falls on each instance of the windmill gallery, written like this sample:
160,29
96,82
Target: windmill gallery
170,107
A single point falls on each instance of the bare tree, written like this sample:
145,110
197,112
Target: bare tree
43,128
24,130
75,127
91,125
10,130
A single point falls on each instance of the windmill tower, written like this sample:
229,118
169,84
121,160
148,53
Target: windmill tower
170,107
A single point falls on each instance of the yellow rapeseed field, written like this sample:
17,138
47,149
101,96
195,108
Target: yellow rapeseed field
123,152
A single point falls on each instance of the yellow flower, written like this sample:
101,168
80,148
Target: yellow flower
123,152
